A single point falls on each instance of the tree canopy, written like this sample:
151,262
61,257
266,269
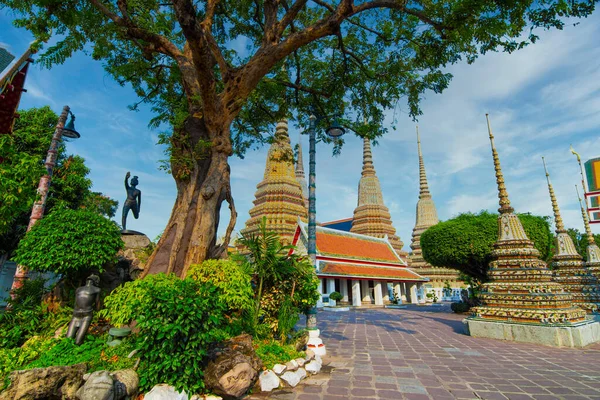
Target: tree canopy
465,242
220,72
580,241
22,166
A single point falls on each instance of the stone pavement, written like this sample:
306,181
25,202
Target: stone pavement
421,353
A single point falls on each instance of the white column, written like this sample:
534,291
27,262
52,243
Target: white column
386,292
366,295
356,299
420,293
330,285
344,289
320,290
405,292
378,292
414,298
398,292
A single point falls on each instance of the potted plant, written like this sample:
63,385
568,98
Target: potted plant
334,297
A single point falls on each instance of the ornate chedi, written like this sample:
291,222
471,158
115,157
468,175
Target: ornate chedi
427,217
521,288
593,252
279,195
300,176
569,268
371,216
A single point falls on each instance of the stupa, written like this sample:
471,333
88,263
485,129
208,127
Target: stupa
427,217
371,216
521,302
593,252
569,268
278,197
300,176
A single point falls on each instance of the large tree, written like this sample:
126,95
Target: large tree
220,71
466,242
21,166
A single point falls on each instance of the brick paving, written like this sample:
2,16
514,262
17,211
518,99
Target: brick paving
421,353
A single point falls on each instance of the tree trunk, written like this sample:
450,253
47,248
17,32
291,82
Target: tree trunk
203,183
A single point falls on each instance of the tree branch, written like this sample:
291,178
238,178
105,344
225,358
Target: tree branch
290,16
300,87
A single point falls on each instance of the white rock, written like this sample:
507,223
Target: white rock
279,368
291,365
291,378
301,373
165,392
268,381
318,359
133,353
313,367
300,362
309,355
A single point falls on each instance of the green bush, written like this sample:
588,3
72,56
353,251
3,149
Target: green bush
70,242
235,289
335,296
178,321
272,352
460,307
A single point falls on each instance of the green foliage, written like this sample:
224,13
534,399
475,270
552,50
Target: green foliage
233,280
178,321
70,242
336,296
272,352
460,307
24,316
21,167
465,242
580,240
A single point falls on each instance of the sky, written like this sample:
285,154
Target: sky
540,99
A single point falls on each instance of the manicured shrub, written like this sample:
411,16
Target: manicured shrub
70,242
460,307
336,296
178,321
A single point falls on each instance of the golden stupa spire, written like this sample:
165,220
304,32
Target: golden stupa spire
586,221
502,193
368,167
560,227
423,186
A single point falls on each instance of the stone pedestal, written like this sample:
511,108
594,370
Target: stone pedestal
315,343
133,257
578,335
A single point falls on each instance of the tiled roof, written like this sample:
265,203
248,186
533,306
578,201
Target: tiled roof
360,271
11,87
334,243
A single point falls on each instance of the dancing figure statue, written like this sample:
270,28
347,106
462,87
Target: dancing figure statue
133,201
85,300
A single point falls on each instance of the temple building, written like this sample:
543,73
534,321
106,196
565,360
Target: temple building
593,252
279,197
371,216
426,216
569,269
522,302
365,270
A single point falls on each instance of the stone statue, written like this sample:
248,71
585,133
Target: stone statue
85,300
134,200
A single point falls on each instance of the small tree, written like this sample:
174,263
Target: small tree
71,243
465,242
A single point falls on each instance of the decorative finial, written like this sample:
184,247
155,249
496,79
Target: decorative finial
586,221
423,186
299,161
583,185
502,193
560,227
368,167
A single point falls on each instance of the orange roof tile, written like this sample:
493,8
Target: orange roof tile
354,246
354,270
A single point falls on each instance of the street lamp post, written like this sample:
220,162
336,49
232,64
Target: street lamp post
334,131
37,212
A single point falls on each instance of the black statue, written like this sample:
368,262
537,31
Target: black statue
85,300
134,200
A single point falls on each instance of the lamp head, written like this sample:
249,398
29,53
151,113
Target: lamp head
335,130
69,129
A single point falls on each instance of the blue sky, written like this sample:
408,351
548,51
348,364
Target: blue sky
540,100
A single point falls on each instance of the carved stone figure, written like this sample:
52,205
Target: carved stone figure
85,300
133,201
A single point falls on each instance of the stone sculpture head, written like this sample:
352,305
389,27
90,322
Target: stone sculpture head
134,181
93,280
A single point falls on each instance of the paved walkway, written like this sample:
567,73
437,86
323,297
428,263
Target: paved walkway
421,353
